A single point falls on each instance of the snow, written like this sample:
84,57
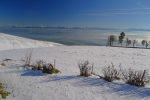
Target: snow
25,84
14,42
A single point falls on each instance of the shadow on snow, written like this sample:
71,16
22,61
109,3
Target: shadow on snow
29,72
121,88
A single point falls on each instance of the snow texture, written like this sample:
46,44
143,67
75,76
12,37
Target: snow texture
25,84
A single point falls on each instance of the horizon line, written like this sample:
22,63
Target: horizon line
79,27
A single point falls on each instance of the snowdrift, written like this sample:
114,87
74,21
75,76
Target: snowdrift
8,42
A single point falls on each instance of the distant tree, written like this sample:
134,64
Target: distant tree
134,42
121,37
128,42
111,40
145,43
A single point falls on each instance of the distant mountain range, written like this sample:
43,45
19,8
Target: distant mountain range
83,28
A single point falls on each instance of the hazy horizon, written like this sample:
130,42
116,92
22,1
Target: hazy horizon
73,36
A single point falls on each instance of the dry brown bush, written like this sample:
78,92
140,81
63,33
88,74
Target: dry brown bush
110,73
86,68
137,78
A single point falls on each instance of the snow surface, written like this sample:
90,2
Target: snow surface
14,42
25,84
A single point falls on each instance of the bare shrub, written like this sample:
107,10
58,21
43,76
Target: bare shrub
137,78
111,73
50,69
44,67
3,64
3,92
86,68
28,57
39,65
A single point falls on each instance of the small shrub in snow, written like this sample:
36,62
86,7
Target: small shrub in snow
50,69
45,68
39,65
110,73
3,64
3,93
137,78
86,68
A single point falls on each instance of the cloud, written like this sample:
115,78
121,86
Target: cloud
140,9
118,13
125,11
131,9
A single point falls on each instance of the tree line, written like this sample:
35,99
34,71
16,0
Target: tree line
121,39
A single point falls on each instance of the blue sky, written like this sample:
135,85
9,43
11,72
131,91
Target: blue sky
76,13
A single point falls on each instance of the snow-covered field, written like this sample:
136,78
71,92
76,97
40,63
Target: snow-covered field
26,84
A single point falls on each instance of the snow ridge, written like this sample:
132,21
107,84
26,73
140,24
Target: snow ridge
8,42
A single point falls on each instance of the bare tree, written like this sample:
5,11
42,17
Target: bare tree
134,42
111,40
145,43
128,42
